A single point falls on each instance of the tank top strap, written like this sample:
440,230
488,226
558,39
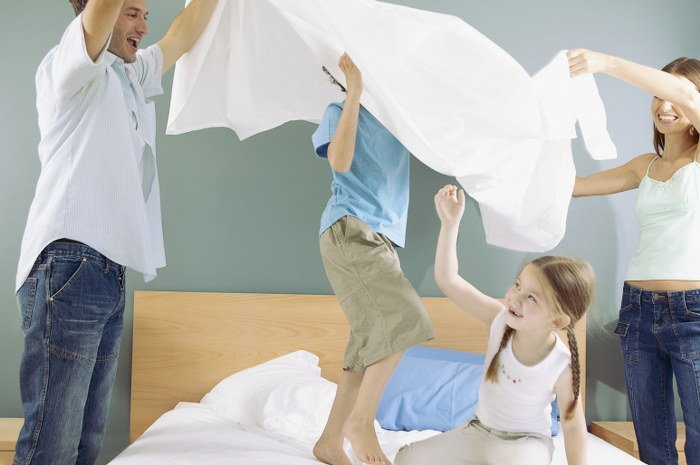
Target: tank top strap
651,163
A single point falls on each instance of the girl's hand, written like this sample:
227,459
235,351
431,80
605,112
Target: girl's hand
582,61
353,76
450,203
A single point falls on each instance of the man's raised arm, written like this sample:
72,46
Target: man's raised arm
99,18
185,30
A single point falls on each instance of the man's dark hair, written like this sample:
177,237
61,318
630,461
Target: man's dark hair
333,80
78,5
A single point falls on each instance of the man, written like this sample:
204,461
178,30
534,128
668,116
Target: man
95,212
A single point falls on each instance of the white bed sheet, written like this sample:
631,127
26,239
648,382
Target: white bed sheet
455,99
193,434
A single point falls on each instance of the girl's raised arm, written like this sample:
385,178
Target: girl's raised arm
449,203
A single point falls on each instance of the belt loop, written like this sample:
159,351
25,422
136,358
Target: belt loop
640,296
106,270
633,295
628,293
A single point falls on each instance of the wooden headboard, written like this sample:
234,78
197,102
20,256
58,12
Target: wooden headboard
186,342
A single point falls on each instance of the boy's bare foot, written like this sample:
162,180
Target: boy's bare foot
330,453
364,442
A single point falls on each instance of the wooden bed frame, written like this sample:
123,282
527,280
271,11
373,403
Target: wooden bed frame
186,342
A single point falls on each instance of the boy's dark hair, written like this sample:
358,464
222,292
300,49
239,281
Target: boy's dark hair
78,5
333,80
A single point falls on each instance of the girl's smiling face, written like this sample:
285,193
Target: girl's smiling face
528,308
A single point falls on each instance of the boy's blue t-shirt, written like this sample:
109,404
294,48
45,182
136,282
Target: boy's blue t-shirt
375,189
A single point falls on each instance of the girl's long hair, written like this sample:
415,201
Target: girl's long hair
569,287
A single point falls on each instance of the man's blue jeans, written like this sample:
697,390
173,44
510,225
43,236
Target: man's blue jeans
72,309
660,337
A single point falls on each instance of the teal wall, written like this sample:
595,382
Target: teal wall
243,216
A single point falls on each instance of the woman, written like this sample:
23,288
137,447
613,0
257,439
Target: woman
659,325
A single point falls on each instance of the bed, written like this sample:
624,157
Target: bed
185,343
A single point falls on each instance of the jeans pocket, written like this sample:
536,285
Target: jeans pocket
64,273
691,307
26,297
687,328
85,298
622,329
629,339
80,310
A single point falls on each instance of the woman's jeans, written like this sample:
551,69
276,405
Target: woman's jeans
72,308
660,338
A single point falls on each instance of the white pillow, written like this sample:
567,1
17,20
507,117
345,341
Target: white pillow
299,408
289,384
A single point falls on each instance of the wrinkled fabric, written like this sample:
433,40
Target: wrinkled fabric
456,100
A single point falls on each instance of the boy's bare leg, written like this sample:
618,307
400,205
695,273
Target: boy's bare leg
329,447
359,427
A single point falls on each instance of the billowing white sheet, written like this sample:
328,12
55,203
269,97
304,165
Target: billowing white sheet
456,100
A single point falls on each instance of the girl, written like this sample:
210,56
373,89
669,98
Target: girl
527,363
659,325
363,223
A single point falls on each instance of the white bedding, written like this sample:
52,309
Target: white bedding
192,434
455,99
252,418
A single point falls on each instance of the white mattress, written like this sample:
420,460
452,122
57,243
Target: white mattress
193,434
272,414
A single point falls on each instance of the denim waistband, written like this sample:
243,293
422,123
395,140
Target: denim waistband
638,295
71,248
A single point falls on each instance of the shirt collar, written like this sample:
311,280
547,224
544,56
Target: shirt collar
118,64
110,59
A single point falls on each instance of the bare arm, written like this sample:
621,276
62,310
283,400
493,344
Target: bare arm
612,181
98,19
185,30
341,150
450,204
574,429
677,90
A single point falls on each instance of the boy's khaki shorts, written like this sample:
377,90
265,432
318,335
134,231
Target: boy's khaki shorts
385,313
